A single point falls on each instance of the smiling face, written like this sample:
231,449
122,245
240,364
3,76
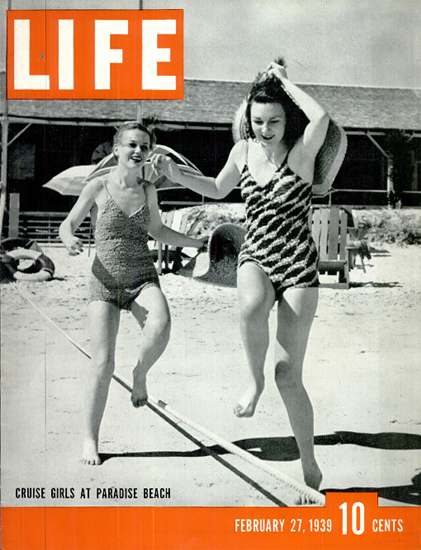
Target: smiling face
268,122
133,148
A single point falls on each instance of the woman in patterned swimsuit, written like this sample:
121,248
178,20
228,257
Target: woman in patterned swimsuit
124,210
278,261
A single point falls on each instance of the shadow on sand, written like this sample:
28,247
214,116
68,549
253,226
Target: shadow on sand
285,449
370,284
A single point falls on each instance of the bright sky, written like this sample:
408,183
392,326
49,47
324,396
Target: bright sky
349,42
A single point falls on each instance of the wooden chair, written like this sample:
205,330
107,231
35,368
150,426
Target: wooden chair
329,229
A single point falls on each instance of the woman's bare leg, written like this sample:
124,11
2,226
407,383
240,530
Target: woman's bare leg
153,315
257,297
296,312
103,321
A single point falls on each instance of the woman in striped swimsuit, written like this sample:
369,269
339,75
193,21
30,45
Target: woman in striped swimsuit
124,209
278,261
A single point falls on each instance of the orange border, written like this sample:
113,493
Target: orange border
132,528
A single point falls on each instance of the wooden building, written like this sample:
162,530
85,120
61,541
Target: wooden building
46,137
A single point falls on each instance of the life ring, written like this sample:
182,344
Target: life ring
29,265
10,243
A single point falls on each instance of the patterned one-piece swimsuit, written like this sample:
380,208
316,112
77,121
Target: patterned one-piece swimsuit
122,266
278,236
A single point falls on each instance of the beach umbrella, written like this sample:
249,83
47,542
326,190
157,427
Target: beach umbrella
73,180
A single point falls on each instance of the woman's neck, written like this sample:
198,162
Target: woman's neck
126,178
275,153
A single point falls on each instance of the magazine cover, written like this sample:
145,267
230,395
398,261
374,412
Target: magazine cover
210,266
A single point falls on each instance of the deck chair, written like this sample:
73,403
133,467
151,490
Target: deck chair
329,229
163,254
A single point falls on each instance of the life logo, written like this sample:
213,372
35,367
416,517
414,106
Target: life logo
95,54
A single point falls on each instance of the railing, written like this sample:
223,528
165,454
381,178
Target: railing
43,227
370,197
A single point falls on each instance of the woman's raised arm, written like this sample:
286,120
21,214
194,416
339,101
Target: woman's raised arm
315,132
215,188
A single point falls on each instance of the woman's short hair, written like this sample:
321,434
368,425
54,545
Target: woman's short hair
269,89
133,125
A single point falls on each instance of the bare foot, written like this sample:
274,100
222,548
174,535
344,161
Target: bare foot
139,393
90,456
313,478
248,401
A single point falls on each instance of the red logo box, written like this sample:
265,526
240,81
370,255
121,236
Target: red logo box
95,54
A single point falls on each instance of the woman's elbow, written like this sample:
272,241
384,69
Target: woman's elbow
64,230
222,191
321,189
324,120
63,226
219,194
156,231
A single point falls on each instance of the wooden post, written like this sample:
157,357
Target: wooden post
390,185
139,113
3,177
138,106
389,163
4,108
14,205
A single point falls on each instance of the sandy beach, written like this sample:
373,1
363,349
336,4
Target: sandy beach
361,371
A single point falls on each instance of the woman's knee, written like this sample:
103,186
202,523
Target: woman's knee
286,374
254,307
102,366
152,313
255,292
164,328
160,326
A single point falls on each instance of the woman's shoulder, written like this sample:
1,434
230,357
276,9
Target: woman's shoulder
150,191
94,188
241,146
239,153
96,184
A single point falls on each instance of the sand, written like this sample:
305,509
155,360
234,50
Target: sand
361,371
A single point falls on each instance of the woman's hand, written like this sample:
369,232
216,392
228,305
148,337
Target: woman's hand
74,245
202,244
277,70
163,165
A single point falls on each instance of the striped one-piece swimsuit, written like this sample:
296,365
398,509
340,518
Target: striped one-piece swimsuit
122,266
278,236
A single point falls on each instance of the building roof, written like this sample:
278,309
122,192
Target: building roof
208,102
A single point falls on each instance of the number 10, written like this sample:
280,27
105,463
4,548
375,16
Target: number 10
357,517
